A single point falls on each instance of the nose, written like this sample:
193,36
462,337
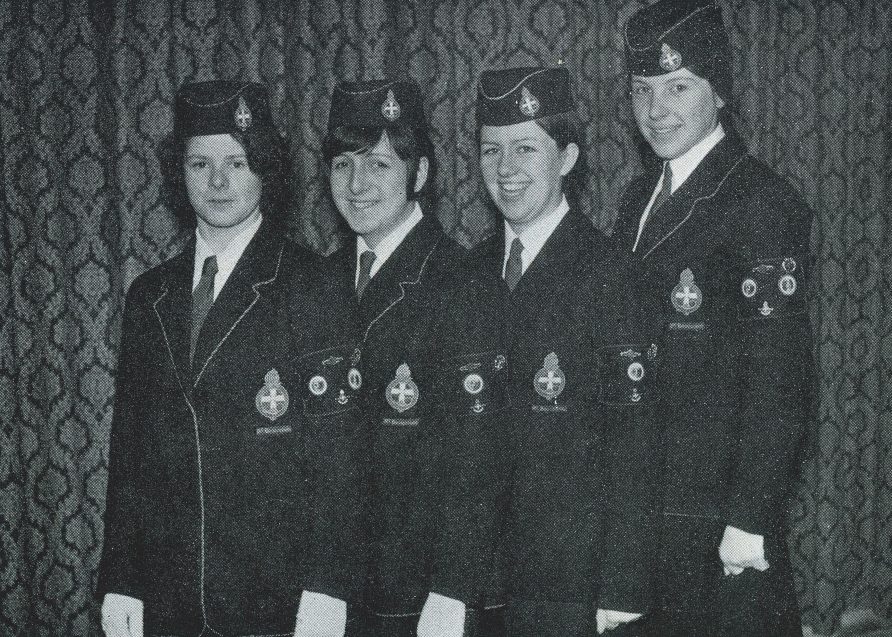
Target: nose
657,109
507,164
358,181
219,178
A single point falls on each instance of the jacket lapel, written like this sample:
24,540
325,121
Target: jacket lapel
173,307
390,285
673,217
256,269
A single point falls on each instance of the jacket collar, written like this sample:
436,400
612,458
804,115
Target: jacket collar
682,207
257,268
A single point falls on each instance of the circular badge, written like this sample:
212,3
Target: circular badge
789,264
318,385
473,384
354,379
787,285
749,288
635,371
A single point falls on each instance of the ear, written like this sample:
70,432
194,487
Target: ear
570,155
421,173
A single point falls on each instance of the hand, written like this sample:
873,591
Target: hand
320,615
442,617
610,619
739,550
121,615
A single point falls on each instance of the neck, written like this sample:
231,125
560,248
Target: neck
519,226
219,238
373,239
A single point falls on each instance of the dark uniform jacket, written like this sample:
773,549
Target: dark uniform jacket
218,516
576,519
435,378
723,264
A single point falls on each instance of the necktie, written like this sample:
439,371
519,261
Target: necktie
514,267
666,190
202,299
366,259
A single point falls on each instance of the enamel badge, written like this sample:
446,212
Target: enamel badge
318,385
686,296
402,392
272,399
354,379
529,103
549,381
473,384
670,59
390,109
243,115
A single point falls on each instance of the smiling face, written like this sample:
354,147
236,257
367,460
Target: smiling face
523,168
674,111
222,188
369,189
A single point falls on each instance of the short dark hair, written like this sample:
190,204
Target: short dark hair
411,143
267,152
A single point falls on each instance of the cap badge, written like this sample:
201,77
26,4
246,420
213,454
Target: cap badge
243,115
272,399
549,381
670,59
402,392
390,109
749,287
686,296
529,103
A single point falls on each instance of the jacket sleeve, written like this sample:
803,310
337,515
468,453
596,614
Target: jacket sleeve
472,403
119,567
631,452
335,446
775,359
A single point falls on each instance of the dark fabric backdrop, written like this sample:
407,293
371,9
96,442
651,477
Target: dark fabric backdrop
85,94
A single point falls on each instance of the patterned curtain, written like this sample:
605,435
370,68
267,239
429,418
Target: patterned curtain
85,94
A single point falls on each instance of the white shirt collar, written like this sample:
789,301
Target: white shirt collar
227,259
388,244
683,166
534,236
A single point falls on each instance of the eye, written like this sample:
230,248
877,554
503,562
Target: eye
381,164
679,87
338,163
239,163
489,150
524,149
196,164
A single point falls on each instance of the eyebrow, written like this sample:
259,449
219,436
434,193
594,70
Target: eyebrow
203,156
510,141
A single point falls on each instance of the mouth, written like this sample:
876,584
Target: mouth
220,202
512,190
361,204
664,131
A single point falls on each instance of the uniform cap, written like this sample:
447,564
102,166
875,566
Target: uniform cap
221,106
512,96
674,34
376,104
